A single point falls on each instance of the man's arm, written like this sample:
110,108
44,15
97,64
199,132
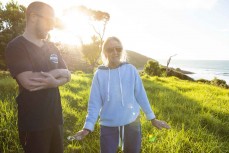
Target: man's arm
61,73
34,81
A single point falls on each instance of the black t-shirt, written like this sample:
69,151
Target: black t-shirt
40,109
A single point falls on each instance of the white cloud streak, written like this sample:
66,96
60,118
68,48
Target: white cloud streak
188,4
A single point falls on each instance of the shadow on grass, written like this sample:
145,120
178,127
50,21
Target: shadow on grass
180,109
169,105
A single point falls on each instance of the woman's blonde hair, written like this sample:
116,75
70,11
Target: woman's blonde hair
105,43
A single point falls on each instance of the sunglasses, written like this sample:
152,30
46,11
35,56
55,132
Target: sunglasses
118,49
47,19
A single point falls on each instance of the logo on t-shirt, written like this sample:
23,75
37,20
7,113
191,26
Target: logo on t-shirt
54,58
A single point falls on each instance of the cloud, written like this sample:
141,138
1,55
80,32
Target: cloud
223,30
187,4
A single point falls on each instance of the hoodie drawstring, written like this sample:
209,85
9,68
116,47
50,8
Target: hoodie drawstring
120,84
108,86
121,137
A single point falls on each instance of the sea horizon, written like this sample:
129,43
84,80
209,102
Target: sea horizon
202,69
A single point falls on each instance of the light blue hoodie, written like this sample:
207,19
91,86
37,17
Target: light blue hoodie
116,96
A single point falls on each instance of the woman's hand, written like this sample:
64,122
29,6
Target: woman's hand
81,134
160,124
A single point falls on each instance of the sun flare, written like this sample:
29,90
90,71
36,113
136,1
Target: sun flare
75,28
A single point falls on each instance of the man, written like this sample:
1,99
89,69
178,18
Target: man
38,69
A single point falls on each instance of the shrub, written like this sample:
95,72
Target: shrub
179,75
220,83
174,72
152,68
204,81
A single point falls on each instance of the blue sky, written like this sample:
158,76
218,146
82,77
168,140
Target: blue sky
192,29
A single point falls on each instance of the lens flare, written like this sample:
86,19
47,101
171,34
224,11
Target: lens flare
152,138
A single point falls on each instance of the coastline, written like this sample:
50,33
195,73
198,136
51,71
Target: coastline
202,69
196,76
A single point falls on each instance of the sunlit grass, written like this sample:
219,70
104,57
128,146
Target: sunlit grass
198,114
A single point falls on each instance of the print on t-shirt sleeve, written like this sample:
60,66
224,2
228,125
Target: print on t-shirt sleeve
61,63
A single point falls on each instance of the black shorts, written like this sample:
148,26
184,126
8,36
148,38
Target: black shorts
45,141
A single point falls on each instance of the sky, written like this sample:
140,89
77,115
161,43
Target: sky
191,29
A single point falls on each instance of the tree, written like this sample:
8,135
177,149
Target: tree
168,62
96,17
12,23
91,52
98,21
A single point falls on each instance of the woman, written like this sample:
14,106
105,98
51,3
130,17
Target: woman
117,93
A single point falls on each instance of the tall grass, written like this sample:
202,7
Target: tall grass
198,114
9,141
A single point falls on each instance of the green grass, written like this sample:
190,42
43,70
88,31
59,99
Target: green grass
197,113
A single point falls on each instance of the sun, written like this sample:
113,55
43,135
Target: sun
75,28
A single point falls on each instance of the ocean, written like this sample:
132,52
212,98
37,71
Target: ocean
205,69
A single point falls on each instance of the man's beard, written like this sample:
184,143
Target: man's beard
41,34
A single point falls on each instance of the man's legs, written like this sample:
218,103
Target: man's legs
45,141
57,144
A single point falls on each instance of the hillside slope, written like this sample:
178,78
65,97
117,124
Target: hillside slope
137,59
197,113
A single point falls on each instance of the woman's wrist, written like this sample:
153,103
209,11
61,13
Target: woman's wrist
153,119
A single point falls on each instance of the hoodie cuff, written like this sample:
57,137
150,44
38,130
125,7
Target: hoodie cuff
150,116
89,126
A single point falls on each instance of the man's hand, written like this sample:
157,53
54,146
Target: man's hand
34,81
47,81
61,73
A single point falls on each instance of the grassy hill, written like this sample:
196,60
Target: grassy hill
138,60
75,60
198,115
